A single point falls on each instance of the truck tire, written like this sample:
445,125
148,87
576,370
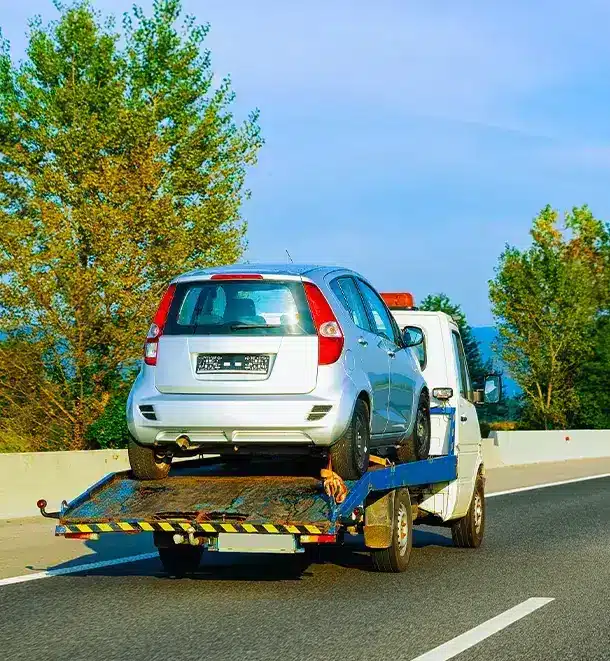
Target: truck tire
350,454
467,532
396,557
180,560
146,463
417,446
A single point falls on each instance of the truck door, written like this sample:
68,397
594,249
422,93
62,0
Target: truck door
468,433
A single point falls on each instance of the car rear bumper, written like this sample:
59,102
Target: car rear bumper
214,421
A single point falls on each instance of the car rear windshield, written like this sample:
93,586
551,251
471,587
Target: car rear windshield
240,307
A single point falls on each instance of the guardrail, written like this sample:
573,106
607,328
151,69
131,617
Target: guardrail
27,476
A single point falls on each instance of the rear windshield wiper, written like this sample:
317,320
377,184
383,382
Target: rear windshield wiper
236,327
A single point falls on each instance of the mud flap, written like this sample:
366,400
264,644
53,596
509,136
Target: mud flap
378,517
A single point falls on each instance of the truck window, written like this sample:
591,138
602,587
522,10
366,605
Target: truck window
379,316
461,366
347,292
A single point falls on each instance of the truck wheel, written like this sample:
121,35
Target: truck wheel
146,463
350,454
396,557
180,560
467,532
417,446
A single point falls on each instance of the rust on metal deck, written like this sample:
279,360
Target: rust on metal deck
256,494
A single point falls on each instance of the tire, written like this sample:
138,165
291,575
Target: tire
417,446
180,560
146,464
467,532
396,557
350,454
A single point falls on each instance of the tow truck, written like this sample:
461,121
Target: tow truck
277,506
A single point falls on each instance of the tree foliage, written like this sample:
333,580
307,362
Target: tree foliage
121,165
548,301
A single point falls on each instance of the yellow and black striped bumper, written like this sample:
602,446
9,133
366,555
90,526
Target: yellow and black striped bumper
187,526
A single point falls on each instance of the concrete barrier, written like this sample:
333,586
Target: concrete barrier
26,477
515,448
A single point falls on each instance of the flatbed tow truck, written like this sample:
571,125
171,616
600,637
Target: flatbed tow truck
267,506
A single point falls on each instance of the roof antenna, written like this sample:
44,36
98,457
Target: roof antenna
289,257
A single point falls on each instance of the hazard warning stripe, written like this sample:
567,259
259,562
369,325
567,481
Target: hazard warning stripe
188,526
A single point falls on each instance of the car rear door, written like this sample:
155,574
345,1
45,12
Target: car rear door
400,362
369,351
238,336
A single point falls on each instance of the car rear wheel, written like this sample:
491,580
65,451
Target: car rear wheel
350,454
146,462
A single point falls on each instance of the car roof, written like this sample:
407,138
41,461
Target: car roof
266,268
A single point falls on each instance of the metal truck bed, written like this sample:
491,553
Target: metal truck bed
260,497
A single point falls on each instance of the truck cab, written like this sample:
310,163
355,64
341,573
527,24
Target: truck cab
443,362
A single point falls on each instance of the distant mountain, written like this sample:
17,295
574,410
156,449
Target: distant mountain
486,336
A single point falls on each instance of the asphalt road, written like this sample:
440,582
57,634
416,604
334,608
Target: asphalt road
553,543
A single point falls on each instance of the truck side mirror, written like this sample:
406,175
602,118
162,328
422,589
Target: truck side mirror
492,392
412,336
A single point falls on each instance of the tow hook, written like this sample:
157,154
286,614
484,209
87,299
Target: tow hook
42,504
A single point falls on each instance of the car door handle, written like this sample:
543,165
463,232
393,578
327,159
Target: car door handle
463,418
362,341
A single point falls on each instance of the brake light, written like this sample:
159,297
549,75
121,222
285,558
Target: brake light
330,335
237,276
151,347
398,300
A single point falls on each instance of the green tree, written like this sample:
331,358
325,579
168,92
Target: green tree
442,303
547,300
121,165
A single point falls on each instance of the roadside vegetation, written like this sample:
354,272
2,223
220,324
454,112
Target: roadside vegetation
122,163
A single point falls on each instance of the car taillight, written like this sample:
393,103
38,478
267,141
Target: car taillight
151,347
330,335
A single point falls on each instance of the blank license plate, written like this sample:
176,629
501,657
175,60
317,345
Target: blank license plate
234,362
255,543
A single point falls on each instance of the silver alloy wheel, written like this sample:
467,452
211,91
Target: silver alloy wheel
402,523
478,512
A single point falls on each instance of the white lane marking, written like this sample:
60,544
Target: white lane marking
548,484
466,640
76,568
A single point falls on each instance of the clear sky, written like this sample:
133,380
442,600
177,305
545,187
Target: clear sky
407,139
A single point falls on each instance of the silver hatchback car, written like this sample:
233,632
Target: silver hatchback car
265,359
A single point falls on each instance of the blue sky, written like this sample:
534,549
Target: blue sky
409,140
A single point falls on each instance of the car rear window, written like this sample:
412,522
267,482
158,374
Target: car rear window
244,307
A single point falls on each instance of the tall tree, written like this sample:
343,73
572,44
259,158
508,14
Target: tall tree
442,303
547,300
121,165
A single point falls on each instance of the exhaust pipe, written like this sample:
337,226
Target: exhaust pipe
183,442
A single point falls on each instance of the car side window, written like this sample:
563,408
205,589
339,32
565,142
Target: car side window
380,318
461,366
346,291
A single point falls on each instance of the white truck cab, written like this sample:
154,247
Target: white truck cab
443,363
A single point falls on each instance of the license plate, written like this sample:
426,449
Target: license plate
235,362
256,543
